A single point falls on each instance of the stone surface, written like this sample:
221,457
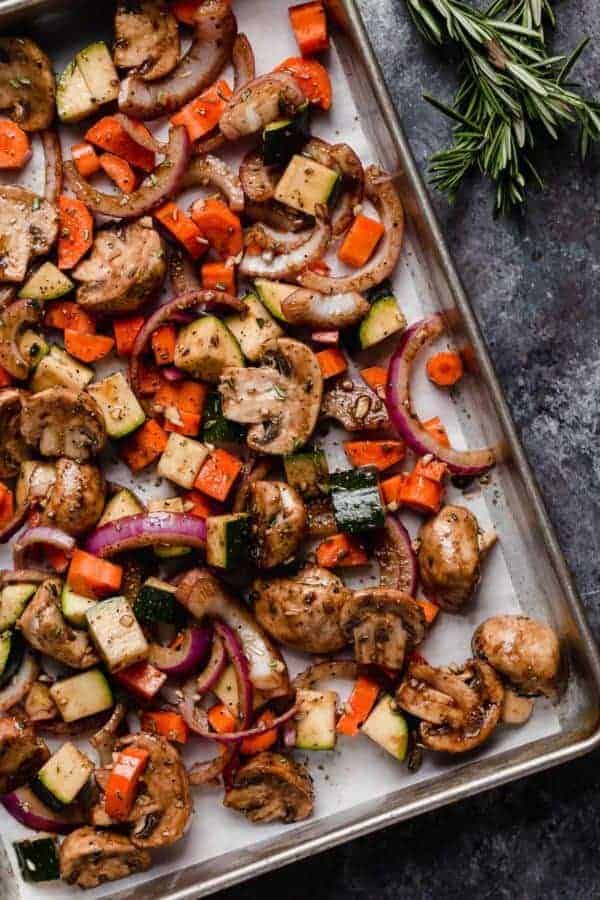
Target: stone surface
534,285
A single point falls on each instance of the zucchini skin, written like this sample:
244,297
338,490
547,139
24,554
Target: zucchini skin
356,499
38,860
155,605
15,655
281,143
216,429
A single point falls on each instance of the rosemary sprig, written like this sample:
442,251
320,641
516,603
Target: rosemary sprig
512,92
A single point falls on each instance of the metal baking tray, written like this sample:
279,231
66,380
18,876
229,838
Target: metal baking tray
533,559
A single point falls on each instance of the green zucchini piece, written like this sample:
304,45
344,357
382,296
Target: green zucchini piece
74,100
282,139
38,860
82,695
383,319
307,471
306,184
60,369
99,73
13,600
48,283
387,727
74,607
315,720
156,603
356,499
32,347
116,633
205,347
123,503
11,654
271,293
253,328
216,429
227,540
61,778
118,404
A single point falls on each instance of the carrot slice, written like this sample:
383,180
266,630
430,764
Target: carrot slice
218,277
196,504
436,429
93,577
259,742
321,267
142,679
310,27
358,707
375,377
360,242
434,469
87,347
202,114
15,149
420,493
123,781
144,446
149,380
163,344
169,725
221,719
85,159
219,225
119,171
341,550
218,473
126,331
181,227
63,314
312,78
57,558
445,369
331,362
430,609
109,135
76,230
182,405
391,488
381,454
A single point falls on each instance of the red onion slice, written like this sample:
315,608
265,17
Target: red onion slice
397,559
211,171
205,772
162,184
104,740
20,683
147,530
41,534
398,402
53,168
337,668
244,65
235,652
215,666
180,662
139,133
285,265
26,808
172,373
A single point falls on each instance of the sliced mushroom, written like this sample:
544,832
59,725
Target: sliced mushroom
315,310
384,626
13,450
459,708
12,321
303,611
90,857
35,482
279,522
260,102
26,84
22,753
526,652
450,556
28,228
46,630
126,268
271,787
354,405
76,500
62,422
280,400
146,38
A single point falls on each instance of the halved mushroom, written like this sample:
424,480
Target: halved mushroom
28,228
271,787
12,321
303,611
458,707
526,652
22,753
279,519
126,268
260,102
46,630
62,422
354,405
304,307
450,556
34,483
76,500
516,710
26,84
90,857
280,400
13,450
146,38
384,625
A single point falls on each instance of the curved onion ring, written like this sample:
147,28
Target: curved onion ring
383,195
179,662
164,182
398,402
146,530
209,53
182,273
209,144
337,668
396,557
210,170
104,740
257,179
26,808
22,576
139,134
53,170
20,683
14,317
244,64
10,528
288,264
213,669
41,534
276,215
259,102
79,726
205,772
273,239
343,159
252,470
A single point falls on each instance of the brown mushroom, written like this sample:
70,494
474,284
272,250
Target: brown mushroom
271,787
90,857
260,102
459,708
62,422
22,753
26,84
13,319
146,38
76,500
303,611
314,310
45,629
35,483
279,518
28,228
384,625
13,449
354,405
526,652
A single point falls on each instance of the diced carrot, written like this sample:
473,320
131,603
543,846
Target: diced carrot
126,331
310,27
169,725
75,231
202,114
7,504
312,78
434,469
181,227
182,405
66,314
218,277
421,494
185,10
381,454
196,504
331,362
445,369
375,377
85,159
163,344
391,488
186,423
218,473
93,577
219,225
15,149
144,446
57,558
149,380
142,679
119,171
437,430
87,347
341,550
358,707
123,781
109,135
430,609
6,378
221,719
360,242
326,337
251,745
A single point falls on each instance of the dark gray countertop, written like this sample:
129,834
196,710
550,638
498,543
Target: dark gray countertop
534,284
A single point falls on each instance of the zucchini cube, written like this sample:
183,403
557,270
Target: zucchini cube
315,722
181,460
116,633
